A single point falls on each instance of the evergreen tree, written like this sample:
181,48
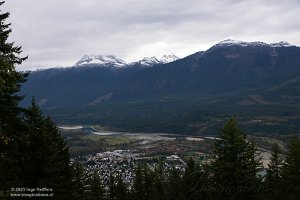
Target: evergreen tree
148,181
10,122
78,182
159,182
46,156
138,184
174,182
274,173
59,168
291,172
144,183
121,189
194,181
236,165
35,170
32,151
112,192
117,189
95,188
10,79
189,179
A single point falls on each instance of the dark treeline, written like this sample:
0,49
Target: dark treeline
33,156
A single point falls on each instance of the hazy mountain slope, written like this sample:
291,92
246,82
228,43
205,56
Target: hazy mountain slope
234,69
73,86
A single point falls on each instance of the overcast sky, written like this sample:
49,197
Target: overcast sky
59,32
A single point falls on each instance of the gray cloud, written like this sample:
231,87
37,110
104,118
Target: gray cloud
59,32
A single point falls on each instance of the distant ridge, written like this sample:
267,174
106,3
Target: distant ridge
230,65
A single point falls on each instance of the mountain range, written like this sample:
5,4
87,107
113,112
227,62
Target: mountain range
250,80
113,61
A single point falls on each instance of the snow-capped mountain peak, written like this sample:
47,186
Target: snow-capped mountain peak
146,61
230,42
168,58
151,61
238,43
101,60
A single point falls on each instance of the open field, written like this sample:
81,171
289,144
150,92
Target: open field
110,139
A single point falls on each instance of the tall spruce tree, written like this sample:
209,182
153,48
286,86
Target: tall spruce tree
10,124
159,182
274,173
148,181
235,166
291,172
174,185
95,187
145,183
122,192
47,155
78,182
194,181
32,151
10,81
112,191
137,191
